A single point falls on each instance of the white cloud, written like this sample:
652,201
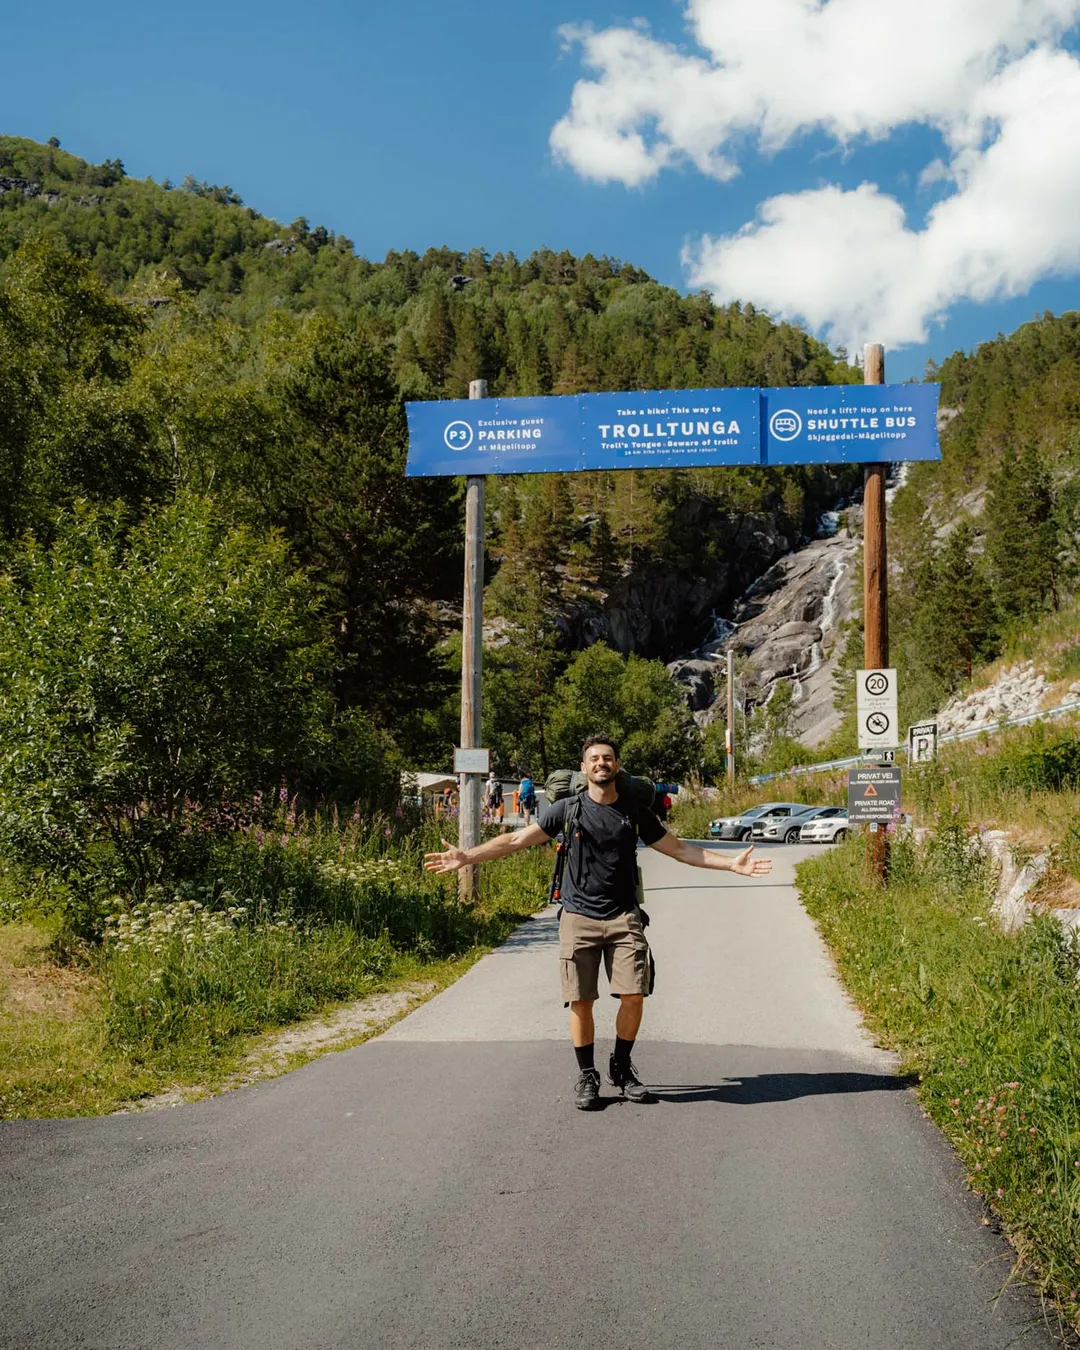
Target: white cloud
989,75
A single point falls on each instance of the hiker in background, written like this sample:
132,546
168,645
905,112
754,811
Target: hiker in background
527,799
493,797
601,919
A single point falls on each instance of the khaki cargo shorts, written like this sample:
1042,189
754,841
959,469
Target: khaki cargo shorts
620,942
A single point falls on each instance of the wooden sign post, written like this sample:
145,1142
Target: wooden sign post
731,718
472,649
875,586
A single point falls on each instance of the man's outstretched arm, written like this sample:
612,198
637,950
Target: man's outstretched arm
720,862
500,847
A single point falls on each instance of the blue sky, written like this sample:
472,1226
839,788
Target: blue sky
412,124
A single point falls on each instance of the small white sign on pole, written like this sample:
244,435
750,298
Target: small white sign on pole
472,761
879,714
922,743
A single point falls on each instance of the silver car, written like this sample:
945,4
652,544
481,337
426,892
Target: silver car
739,827
828,827
782,822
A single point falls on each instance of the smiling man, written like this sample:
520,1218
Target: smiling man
601,919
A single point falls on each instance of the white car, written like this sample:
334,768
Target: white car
828,827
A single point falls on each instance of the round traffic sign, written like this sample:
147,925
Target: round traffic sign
878,724
877,684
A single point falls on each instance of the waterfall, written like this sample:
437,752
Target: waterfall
719,632
828,616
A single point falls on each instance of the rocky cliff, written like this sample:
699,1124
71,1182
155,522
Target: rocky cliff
659,608
785,625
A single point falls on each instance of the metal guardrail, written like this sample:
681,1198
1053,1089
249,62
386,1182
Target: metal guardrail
969,734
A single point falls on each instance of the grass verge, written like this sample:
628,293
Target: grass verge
180,987
988,1022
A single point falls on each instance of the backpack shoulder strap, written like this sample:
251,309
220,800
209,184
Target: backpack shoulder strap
562,847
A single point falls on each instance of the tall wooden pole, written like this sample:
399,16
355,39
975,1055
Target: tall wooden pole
472,663
731,718
876,575
875,585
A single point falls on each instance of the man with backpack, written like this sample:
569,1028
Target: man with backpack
493,796
527,799
600,919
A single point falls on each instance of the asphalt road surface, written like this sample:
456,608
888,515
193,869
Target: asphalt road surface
436,1188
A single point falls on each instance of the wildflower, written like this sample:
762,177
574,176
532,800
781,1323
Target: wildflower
999,1193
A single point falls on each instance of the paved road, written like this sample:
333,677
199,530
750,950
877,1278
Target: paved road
435,1188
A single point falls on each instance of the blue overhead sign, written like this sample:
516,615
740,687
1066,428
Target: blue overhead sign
850,424
673,429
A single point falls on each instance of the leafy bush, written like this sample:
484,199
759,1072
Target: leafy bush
1052,766
147,673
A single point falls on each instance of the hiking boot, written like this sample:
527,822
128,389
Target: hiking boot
624,1077
587,1091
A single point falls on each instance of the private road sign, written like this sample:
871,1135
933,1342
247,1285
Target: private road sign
873,796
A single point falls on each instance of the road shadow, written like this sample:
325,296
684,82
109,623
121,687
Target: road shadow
780,1087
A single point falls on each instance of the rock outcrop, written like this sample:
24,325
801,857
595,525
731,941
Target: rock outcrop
1019,691
786,625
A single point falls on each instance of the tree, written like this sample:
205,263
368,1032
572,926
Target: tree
380,547
633,700
1023,534
150,674
436,339
955,626
73,426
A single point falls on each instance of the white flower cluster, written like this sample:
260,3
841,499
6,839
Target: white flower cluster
365,870
151,926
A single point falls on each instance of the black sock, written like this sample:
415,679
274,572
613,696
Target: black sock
584,1057
622,1050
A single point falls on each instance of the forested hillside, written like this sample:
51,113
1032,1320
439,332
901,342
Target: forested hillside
162,340
986,542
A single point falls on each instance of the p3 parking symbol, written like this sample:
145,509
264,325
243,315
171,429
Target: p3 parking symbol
458,436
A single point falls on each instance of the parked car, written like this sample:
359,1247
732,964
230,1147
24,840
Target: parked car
738,827
782,822
827,827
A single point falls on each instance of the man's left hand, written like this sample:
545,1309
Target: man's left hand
751,867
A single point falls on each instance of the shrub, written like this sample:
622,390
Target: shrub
1042,767
148,672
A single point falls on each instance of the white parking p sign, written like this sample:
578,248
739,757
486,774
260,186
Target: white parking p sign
922,743
879,714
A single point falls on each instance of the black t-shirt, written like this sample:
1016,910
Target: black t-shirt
601,867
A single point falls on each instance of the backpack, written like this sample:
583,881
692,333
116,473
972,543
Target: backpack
563,782
526,791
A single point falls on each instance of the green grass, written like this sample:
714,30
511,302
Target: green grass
285,925
988,1022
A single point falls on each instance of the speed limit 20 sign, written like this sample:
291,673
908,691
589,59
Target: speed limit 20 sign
878,711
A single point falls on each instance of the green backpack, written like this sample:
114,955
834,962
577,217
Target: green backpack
563,782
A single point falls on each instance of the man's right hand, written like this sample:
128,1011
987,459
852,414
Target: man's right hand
453,860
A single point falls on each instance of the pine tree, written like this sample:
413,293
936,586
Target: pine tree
956,623
436,341
470,360
605,553
1023,535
